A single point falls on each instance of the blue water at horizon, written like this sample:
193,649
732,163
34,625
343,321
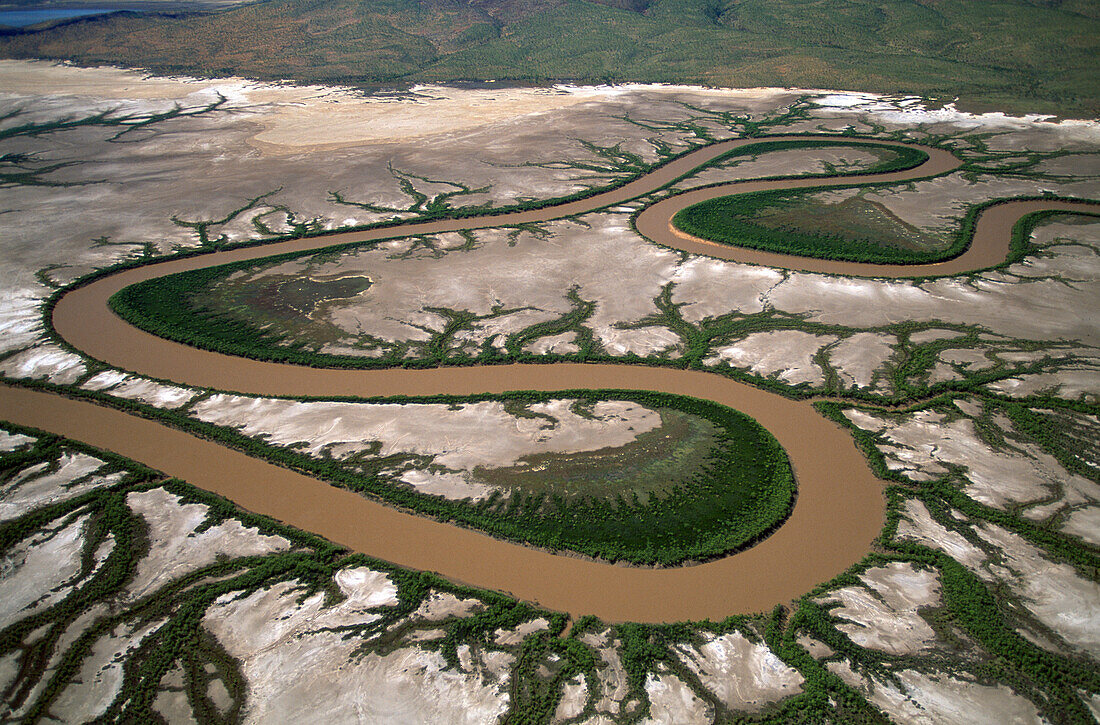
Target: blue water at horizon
20,18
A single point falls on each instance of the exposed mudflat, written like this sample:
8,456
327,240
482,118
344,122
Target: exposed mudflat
135,388
670,700
1021,476
743,674
101,674
457,438
939,699
40,485
175,547
304,671
885,614
43,570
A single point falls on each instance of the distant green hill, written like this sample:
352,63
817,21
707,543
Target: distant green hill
1039,55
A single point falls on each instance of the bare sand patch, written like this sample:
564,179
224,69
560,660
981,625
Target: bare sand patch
1032,309
77,628
1071,383
573,698
366,588
611,673
351,120
1054,593
20,313
297,668
444,605
744,287
1032,131
520,632
672,701
1084,523
918,525
526,273
884,615
42,569
940,699
458,438
51,362
857,358
966,357
36,486
454,486
743,674
13,441
9,670
931,335
175,548
926,444
131,387
99,680
1093,703
817,649
31,77
787,354
562,344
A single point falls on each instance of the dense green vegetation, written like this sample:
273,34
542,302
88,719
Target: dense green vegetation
654,462
795,223
792,222
1019,54
741,491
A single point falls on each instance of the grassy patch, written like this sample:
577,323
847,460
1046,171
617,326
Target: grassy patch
652,465
854,230
794,222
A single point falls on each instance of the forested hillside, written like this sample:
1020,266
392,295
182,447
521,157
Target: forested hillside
1038,55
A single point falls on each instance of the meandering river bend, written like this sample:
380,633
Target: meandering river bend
840,504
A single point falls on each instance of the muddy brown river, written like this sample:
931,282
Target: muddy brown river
839,510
